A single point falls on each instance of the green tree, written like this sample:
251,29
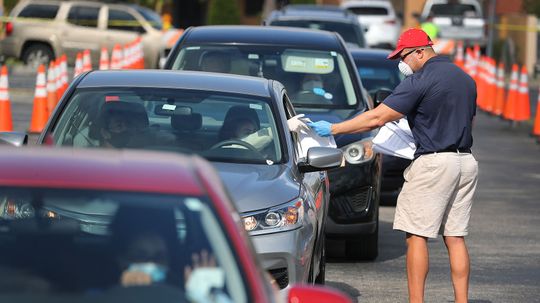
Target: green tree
532,7
303,2
223,12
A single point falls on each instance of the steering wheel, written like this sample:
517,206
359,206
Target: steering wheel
237,142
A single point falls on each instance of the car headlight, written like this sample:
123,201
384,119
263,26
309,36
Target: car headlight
359,152
12,209
284,217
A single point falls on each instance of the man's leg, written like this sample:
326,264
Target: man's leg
459,266
417,266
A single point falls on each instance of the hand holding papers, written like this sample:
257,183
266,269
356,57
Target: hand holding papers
395,138
308,137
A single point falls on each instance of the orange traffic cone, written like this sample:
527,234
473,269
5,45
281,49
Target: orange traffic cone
58,79
499,95
491,86
480,83
523,108
536,128
458,60
126,57
104,59
116,58
40,113
140,53
78,66
51,88
87,61
6,122
64,72
509,112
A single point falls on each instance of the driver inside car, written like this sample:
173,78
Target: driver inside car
242,124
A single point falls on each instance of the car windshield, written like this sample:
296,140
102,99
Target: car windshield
312,78
152,17
465,10
376,75
217,126
98,246
350,32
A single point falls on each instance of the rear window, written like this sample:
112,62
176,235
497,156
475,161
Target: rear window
350,32
465,10
376,11
41,11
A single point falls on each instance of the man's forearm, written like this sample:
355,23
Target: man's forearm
361,123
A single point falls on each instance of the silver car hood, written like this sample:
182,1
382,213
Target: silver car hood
255,186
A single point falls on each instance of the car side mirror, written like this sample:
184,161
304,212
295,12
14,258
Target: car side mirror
321,158
305,294
14,138
380,95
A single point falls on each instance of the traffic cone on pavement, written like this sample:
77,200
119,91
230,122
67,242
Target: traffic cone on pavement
126,56
87,61
104,59
78,65
523,108
536,127
458,60
116,58
509,112
40,113
52,99
6,122
64,72
140,53
58,77
491,86
499,96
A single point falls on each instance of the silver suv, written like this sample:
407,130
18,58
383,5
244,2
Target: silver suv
42,30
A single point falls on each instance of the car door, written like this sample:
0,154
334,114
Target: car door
314,183
83,30
122,26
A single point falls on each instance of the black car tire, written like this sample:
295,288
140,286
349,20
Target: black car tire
322,265
364,248
36,54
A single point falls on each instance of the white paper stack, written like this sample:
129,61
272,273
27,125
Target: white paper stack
395,138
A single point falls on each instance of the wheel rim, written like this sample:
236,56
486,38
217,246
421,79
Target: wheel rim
37,57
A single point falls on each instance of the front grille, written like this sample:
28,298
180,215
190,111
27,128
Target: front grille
281,276
350,205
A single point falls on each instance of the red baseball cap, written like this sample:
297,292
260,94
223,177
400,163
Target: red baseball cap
410,38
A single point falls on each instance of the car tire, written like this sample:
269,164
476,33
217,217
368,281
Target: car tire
365,248
322,265
36,54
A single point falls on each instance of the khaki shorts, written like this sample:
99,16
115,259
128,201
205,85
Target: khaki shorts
437,195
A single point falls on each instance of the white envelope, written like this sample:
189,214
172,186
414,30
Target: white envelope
395,138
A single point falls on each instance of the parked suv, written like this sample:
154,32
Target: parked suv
457,20
42,30
380,21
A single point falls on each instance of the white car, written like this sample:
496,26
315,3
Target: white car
379,19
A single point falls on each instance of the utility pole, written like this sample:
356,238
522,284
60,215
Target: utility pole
491,28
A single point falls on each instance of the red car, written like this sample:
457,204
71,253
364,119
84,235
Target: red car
125,226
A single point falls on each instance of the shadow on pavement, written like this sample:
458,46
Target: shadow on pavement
352,292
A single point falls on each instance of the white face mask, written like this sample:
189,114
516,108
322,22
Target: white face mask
405,69
311,84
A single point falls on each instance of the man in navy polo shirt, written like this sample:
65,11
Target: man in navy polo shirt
439,100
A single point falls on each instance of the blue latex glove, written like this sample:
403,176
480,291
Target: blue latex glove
322,128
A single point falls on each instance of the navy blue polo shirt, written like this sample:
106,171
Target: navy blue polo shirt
439,101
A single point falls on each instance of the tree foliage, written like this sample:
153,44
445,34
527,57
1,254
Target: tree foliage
223,12
532,7
303,2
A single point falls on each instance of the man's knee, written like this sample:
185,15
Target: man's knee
453,240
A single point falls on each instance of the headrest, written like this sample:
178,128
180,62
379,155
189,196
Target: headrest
186,122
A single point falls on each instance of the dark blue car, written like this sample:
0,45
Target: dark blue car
321,80
379,73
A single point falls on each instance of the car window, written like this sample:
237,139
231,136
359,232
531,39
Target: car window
41,11
369,10
375,75
84,16
219,127
120,20
150,16
94,243
466,10
312,78
350,32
